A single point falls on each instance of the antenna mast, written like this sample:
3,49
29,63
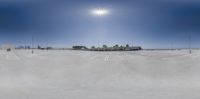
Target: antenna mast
32,45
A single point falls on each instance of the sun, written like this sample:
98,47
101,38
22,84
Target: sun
100,12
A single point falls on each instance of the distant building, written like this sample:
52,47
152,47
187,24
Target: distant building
20,47
79,47
8,47
135,48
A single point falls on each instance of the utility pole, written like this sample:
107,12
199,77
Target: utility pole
172,46
189,43
132,44
98,48
32,43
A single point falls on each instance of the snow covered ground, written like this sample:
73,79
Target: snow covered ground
69,74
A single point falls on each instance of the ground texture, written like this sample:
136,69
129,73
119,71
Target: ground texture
68,74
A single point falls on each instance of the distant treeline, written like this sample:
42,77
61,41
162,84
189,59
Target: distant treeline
41,48
29,47
106,48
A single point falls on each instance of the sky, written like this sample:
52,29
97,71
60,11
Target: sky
64,23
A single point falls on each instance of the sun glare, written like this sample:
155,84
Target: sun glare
100,12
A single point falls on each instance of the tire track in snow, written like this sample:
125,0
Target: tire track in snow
12,56
106,58
171,55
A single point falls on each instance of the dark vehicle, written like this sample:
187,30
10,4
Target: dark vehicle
8,49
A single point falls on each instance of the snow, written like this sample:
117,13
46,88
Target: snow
68,74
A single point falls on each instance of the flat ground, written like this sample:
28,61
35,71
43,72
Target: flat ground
68,74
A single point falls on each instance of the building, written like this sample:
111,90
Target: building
79,48
8,47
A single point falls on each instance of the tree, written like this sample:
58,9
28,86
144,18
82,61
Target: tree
127,46
93,47
39,47
116,46
105,46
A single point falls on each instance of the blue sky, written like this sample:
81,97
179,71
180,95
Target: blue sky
63,23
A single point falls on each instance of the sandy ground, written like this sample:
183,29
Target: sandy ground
99,75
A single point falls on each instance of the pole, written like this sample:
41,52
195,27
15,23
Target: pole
172,46
190,51
32,45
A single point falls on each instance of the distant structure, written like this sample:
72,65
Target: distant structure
8,47
23,47
79,48
106,48
44,48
